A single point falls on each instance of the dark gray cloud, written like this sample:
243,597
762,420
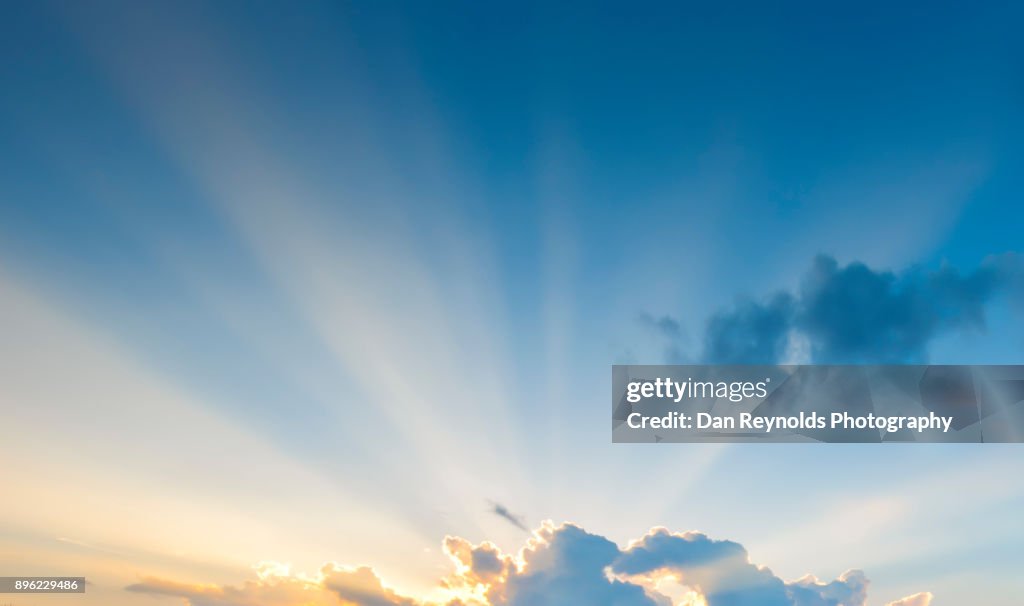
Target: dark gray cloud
855,314
501,511
750,332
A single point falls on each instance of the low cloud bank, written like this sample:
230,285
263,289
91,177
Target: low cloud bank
560,566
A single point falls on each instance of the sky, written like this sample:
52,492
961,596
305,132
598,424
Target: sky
316,304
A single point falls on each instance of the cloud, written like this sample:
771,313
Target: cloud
500,510
477,565
361,587
274,586
722,573
750,332
721,570
561,565
665,326
279,591
566,565
855,314
918,599
668,332
850,588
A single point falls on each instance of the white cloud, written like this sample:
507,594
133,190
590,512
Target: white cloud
559,566
918,599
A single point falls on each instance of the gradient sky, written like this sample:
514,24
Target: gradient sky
328,282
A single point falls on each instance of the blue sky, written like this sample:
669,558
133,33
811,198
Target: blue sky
288,276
